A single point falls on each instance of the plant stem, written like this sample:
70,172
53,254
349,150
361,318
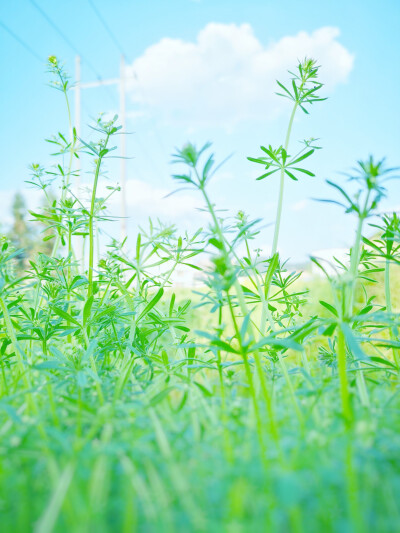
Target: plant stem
354,265
245,312
19,352
281,186
91,220
344,386
249,377
71,155
392,330
226,434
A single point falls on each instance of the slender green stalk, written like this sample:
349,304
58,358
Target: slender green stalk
353,489
360,379
388,298
291,388
177,480
281,185
227,436
250,380
354,265
19,352
350,295
20,355
344,385
73,141
91,219
245,312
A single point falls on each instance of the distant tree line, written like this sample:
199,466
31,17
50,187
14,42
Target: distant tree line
25,235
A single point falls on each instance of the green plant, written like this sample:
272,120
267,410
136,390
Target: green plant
130,404
303,92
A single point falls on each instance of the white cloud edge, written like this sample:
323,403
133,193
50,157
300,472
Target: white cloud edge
227,75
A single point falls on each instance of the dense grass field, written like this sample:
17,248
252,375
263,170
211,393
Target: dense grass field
259,402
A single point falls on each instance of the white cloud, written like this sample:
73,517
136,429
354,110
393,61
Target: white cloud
228,75
300,205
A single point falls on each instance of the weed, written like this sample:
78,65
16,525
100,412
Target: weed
127,406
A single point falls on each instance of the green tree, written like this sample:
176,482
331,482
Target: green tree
21,234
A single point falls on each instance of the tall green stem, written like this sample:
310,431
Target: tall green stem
226,433
344,385
91,219
71,155
249,376
354,264
281,185
19,352
245,312
348,310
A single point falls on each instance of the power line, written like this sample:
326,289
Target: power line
69,42
64,37
122,51
107,28
21,42
122,106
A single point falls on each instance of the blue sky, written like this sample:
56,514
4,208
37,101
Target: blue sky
179,50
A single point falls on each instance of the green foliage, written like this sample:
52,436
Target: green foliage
255,403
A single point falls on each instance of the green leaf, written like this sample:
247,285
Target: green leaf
329,307
336,186
328,331
257,160
292,176
296,94
157,398
223,346
289,94
207,166
138,247
302,157
271,154
267,174
78,281
12,413
352,343
182,177
277,343
273,265
308,172
151,304
203,389
48,365
66,316
87,309
90,349
383,361
215,242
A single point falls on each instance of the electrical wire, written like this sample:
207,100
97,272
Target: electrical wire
122,51
64,37
107,28
71,45
21,42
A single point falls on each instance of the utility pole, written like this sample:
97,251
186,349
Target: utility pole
122,115
122,109
78,112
